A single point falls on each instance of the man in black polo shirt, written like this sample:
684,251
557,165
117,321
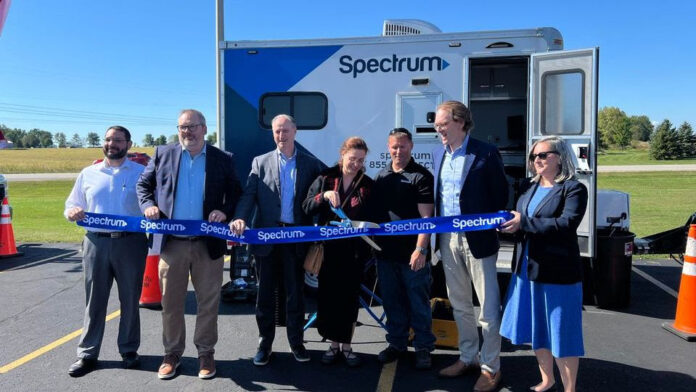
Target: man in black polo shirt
405,191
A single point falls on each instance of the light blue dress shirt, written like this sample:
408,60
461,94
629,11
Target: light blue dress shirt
190,186
450,182
287,167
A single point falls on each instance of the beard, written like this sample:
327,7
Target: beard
118,154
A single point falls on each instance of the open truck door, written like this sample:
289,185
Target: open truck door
563,102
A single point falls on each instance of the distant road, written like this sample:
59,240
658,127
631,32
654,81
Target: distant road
602,169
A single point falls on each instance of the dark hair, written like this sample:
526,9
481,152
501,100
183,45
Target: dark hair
459,113
400,132
123,130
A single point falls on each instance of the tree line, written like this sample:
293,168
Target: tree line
38,138
616,129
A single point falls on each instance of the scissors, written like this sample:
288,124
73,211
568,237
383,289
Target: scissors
347,222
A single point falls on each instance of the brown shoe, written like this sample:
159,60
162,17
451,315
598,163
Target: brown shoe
487,382
207,366
457,369
169,365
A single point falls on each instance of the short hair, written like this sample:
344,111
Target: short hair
285,116
122,129
459,112
401,132
200,115
557,144
352,142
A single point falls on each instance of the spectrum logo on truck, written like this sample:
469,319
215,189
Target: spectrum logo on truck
391,64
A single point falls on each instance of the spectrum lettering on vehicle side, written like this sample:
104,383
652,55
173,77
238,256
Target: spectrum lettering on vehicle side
391,64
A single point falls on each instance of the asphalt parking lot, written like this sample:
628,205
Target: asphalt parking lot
42,304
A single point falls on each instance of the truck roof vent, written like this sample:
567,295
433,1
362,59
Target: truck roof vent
408,27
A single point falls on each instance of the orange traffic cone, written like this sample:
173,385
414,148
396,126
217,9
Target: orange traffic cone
684,324
8,248
151,295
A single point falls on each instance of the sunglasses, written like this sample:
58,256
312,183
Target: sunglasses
542,155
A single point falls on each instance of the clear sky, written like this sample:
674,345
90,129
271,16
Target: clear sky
81,65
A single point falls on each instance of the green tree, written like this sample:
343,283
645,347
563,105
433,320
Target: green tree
45,139
92,139
665,142
685,136
76,141
161,140
30,140
173,138
15,135
212,138
614,127
61,140
641,128
148,140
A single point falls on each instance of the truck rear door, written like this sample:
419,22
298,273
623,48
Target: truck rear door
563,102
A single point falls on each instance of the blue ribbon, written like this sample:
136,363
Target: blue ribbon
280,235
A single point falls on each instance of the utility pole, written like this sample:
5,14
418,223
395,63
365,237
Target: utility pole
219,44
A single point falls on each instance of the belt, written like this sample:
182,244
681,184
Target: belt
113,234
283,224
191,239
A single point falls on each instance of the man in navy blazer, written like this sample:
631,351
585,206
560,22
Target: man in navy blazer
276,186
469,178
195,181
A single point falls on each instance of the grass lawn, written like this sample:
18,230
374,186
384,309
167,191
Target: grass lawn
638,156
38,212
659,201
52,160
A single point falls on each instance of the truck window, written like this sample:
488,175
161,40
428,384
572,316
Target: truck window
562,103
310,109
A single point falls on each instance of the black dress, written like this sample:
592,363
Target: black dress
344,260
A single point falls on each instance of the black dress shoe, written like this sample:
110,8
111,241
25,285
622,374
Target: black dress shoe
262,357
82,366
131,360
300,353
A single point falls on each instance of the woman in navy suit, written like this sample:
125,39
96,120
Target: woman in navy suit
544,303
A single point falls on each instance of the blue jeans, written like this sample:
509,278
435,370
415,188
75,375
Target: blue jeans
406,297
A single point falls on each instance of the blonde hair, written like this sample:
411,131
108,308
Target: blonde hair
566,167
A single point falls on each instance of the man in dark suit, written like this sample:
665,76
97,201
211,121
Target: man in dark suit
469,178
276,187
195,181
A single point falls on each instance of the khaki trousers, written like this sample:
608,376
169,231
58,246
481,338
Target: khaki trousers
178,259
461,269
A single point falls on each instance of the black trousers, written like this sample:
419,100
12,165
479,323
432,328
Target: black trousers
282,264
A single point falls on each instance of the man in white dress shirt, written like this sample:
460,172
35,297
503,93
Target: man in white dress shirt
108,187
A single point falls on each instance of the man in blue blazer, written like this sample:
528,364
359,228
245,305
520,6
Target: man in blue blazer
195,181
276,187
469,178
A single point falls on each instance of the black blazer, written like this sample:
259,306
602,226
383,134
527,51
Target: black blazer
484,189
157,187
551,233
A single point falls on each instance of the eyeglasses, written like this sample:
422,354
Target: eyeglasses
184,128
542,155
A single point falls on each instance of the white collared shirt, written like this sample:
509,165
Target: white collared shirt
103,189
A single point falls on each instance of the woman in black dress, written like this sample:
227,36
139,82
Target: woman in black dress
344,185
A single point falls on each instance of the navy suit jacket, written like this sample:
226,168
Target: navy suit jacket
157,186
484,189
551,233
262,194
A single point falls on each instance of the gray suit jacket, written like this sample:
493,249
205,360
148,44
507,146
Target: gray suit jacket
262,194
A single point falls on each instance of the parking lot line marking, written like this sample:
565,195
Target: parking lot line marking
386,377
656,282
50,346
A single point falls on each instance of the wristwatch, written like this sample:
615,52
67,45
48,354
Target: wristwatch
422,250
